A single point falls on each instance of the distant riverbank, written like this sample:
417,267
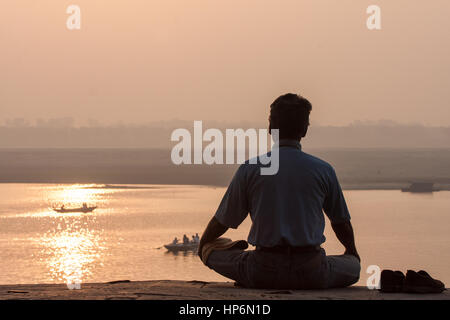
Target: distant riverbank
357,169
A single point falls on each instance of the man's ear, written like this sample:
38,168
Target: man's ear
305,130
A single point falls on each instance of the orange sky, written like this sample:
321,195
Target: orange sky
144,60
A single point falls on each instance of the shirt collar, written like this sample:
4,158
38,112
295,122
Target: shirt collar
289,143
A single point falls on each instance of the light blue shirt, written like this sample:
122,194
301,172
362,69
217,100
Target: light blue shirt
286,208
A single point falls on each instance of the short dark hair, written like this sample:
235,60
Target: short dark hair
290,114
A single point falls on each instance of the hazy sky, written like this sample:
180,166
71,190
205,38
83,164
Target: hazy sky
144,60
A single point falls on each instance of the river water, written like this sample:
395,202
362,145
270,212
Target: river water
123,237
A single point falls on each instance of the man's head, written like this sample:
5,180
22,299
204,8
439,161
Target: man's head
290,114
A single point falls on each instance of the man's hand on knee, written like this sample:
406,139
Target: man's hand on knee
213,231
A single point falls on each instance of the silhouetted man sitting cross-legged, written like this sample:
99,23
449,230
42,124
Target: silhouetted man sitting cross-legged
287,212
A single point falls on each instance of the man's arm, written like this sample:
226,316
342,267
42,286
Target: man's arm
213,231
233,209
344,233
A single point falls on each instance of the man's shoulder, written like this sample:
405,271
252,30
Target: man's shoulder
317,162
253,165
256,162
250,165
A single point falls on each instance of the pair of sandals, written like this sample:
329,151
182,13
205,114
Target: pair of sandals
413,282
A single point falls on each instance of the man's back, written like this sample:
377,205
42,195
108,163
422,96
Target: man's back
286,208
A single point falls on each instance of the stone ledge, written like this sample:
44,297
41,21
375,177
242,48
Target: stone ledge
193,290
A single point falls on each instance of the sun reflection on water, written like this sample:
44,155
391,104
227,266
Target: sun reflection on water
75,246
75,195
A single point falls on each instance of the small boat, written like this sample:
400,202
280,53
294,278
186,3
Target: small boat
73,210
191,246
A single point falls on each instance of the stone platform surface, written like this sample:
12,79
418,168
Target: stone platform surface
193,290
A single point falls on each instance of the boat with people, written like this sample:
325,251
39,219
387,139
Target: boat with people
83,209
181,246
185,245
